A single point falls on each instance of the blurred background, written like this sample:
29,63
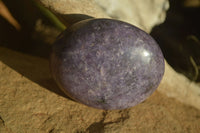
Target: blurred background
27,27
179,37
27,104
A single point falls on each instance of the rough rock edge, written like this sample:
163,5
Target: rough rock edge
40,110
69,7
173,84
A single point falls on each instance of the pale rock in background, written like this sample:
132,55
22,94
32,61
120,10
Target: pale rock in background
142,13
146,14
28,102
86,7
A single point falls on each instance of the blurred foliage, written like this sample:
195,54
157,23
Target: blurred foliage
179,38
39,28
50,16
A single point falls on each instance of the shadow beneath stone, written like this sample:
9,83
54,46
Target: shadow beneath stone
97,127
34,68
26,54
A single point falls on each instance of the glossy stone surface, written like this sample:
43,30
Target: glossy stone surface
106,64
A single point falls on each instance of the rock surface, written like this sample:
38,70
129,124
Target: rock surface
30,101
107,64
145,16
188,92
28,104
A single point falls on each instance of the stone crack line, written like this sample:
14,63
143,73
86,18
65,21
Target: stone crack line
124,116
2,122
99,126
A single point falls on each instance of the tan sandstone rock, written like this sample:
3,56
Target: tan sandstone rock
30,101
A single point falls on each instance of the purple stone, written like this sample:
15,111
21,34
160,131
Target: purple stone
106,64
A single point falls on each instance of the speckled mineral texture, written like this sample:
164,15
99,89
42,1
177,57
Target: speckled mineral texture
107,64
28,106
